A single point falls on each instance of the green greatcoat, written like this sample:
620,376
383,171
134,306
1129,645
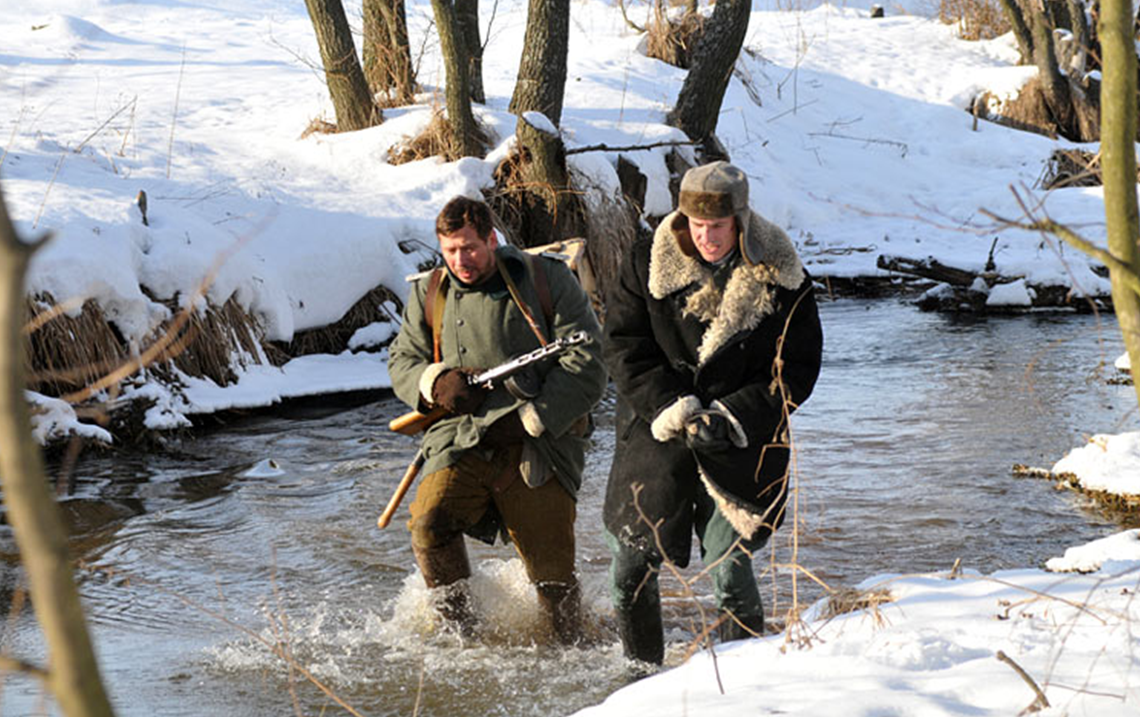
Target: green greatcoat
481,330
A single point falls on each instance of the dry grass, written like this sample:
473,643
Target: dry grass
513,198
673,41
67,352
611,228
217,336
318,126
333,339
848,600
505,198
976,19
1027,111
1072,168
434,141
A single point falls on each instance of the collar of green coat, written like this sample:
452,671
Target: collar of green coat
747,296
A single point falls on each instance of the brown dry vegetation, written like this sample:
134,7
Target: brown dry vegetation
673,41
70,350
1029,112
976,19
334,337
434,141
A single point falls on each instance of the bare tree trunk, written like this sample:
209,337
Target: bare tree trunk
1077,62
1118,160
347,87
73,673
387,54
467,15
541,82
464,133
698,104
550,209
1054,85
1020,27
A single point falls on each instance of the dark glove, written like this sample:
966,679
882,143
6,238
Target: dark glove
707,431
454,392
506,431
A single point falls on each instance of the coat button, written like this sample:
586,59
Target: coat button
462,349
459,322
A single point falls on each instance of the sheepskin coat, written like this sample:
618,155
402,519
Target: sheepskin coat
677,326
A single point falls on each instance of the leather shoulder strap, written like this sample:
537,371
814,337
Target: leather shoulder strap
542,288
433,309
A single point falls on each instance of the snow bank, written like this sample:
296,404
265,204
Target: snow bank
1110,463
931,651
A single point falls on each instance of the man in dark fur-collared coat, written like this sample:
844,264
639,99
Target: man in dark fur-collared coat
712,337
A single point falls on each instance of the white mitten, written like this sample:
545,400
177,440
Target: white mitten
671,420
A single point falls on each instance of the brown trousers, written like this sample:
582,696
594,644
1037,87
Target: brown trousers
539,521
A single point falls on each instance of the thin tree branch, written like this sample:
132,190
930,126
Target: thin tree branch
1041,702
628,148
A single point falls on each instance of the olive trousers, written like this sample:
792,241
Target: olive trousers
539,521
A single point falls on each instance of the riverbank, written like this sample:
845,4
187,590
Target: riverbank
178,182
1056,641
271,519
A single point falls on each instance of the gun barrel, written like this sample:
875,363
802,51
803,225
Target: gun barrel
494,374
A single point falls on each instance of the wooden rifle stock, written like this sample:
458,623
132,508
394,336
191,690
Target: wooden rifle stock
414,422
409,424
401,490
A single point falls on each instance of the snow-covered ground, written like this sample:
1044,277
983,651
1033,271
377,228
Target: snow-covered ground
934,649
854,133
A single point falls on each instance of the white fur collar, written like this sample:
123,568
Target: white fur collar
747,297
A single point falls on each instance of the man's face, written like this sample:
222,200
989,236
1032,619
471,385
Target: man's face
469,256
714,238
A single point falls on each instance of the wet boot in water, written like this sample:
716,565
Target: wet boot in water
641,630
563,603
444,566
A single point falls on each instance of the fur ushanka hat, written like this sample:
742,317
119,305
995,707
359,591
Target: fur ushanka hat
715,191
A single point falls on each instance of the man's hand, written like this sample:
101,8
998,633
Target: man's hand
707,431
670,421
454,392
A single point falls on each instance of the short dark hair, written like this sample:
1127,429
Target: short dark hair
460,212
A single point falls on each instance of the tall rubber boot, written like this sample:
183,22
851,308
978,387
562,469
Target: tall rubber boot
741,628
443,566
641,629
563,603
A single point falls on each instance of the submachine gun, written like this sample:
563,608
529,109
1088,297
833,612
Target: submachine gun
513,374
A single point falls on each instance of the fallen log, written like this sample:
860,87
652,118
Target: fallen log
929,268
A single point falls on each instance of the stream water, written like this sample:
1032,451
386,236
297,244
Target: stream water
258,537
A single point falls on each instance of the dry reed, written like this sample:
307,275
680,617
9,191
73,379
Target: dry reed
673,41
333,339
976,19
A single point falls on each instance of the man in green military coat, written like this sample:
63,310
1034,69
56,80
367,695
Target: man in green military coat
499,461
